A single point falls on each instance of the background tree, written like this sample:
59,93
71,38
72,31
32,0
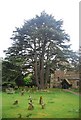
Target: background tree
12,73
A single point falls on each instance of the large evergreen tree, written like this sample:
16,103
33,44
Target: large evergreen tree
40,44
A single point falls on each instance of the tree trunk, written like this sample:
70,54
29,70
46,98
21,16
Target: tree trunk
42,73
42,67
46,75
35,66
36,75
47,69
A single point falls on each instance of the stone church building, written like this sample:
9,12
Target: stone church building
64,79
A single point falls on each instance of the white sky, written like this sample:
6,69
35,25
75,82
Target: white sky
14,12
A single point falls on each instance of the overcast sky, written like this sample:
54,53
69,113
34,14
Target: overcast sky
14,12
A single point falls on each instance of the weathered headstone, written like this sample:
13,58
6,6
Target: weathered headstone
20,116
43,105
15,102
10,91
41,100
30,107
30,99
22,92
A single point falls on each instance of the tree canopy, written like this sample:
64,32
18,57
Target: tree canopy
38,45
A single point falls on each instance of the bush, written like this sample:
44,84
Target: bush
28,79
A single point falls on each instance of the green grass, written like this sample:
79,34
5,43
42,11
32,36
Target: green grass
75,90
59,104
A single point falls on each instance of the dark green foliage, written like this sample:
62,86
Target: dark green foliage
12,73
40,44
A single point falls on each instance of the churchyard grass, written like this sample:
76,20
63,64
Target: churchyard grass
58,104
75,90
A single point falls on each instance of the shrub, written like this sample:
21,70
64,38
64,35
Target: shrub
28,79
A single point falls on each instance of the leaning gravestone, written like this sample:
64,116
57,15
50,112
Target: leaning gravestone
30,107
15,102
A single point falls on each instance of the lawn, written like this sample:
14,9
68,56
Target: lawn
58,104
75,90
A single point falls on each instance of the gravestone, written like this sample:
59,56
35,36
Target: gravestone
20,116
30,107
41,100
30,99
22,92
15,102
43,105
10,91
